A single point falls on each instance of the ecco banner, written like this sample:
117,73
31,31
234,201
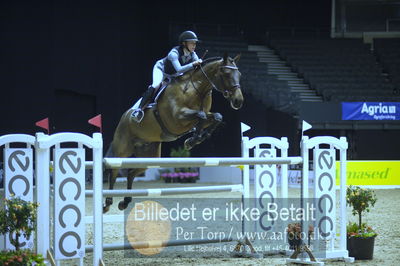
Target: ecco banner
18,178
69,203
370,110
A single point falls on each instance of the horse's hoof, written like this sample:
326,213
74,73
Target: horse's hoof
188,145
122,205
202,115
106,208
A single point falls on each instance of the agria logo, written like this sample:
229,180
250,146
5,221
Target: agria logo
378,109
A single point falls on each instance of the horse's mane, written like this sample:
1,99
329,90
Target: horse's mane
205,62
210,59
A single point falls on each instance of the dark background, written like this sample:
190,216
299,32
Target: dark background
72,60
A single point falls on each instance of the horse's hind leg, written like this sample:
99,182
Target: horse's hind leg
116,149
131,176
146,150
112,175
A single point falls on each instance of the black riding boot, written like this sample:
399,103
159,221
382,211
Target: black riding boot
138,114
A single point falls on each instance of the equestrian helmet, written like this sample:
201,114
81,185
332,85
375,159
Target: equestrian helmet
187,36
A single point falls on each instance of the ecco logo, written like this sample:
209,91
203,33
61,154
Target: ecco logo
325,183
18,178
68,176
268,174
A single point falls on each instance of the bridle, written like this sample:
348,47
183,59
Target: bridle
225,92
233,88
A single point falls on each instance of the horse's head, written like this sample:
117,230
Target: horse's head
228,78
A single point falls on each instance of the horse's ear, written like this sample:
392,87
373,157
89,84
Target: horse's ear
225,58
236,59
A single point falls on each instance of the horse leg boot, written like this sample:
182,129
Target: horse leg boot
138,114
186,113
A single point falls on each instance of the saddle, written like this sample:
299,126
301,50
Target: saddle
154,100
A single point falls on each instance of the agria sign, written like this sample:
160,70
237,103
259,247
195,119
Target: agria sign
379,111
370,111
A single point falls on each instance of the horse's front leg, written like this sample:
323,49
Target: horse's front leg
204,129
190,114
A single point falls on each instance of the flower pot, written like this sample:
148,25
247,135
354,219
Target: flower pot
361,248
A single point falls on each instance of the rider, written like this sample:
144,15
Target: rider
179,60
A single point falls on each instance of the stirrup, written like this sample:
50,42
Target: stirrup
137,115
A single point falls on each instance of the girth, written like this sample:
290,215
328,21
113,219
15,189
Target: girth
166,132
164,129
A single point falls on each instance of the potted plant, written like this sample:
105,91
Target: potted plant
193,175
18,218
294,234
360,236
190,175
165,174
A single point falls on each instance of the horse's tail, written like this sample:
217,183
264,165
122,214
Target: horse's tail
110,152
108,172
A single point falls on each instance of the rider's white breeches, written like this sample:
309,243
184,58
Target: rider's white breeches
158,76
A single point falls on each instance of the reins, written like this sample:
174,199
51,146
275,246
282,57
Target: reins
213,86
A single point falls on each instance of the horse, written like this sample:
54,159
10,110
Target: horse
183,107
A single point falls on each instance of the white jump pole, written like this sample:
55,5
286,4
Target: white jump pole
343,184
116,163
98,198
42,174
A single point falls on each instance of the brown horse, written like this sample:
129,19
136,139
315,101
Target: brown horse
183,106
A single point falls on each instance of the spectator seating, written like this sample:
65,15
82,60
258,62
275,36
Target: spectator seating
388,54
340,69
255,80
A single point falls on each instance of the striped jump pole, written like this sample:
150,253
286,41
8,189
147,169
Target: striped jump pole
158,244
168,191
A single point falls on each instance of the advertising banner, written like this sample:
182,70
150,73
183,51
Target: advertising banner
370,110
379,174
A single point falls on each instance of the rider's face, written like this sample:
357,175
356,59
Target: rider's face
191,46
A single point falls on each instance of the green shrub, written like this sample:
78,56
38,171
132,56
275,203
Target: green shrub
19,217
20,257
353,230
361,200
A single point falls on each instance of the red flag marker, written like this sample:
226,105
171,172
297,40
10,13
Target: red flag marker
96,121
44,123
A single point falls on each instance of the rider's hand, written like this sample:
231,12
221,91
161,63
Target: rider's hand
198,62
